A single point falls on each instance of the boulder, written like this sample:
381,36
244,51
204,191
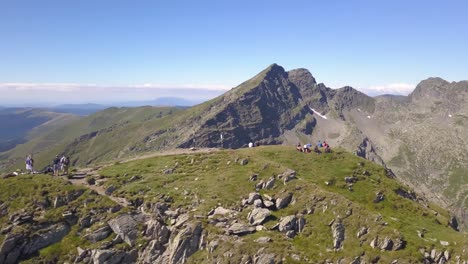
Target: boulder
126,227
269,204
362,231
240,229
287,176
254,177
387,244
287,223
168,171
269,183
184,244
253,197
258,215
258,203
263,240
243,162
338,233
99,234
110,190
351,179
111,256
59,201
283,201
265,259
453,223
379,197
85,221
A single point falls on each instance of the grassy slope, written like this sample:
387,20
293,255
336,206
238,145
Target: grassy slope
210,181
56,141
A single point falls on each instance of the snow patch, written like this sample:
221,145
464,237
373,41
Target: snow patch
369,117
450,115
322,116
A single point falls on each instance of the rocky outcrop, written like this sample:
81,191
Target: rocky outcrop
388,243
126,227
23,245
338,233
291,225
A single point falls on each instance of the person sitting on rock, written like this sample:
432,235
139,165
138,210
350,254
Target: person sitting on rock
298,147
319,144
306,148
327,149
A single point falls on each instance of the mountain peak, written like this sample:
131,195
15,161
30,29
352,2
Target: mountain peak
273,69
302,78
430,87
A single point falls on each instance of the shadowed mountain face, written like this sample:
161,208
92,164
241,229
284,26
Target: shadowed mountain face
421,137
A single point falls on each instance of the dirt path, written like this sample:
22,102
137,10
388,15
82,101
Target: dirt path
79,177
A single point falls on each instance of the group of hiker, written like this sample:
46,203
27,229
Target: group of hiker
59,165
307,148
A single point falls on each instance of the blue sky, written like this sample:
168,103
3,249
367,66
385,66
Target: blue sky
375,46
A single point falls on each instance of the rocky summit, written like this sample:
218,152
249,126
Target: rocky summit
310,208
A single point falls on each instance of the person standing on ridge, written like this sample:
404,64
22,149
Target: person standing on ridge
64,162
56,165
29,164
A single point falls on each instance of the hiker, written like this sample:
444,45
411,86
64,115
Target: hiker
317,150
29,164
306,148
298,147
56,165
327,149
325,144
64,162
251,144
319,144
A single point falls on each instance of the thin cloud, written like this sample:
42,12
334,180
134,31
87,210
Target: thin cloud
74,87
393,88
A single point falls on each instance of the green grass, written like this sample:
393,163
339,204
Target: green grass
214,179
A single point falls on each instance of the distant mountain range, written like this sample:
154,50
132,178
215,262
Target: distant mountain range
422,137
89,108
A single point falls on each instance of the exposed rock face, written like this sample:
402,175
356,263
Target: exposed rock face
18,245
338,233
99,234
126,227
111,256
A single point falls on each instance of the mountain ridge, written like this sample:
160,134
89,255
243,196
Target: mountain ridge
277,107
